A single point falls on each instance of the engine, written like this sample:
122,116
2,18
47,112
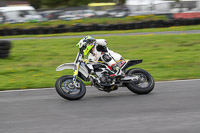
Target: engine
104,82
105,78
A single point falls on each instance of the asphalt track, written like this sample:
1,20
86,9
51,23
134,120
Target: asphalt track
173,107
103,35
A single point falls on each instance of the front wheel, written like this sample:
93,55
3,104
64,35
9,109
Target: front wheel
66,88
144,82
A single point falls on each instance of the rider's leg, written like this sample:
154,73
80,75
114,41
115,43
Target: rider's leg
108,59
116,56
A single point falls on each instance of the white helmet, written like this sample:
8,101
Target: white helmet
81,43
86,44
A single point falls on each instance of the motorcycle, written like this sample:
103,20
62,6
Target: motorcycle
71,87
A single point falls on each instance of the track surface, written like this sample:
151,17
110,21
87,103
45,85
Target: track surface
119,34
173,107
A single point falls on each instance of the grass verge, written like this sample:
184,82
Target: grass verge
32,63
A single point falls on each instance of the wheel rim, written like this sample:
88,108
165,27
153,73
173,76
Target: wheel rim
68,87
141,81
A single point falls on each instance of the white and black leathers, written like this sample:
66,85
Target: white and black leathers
101,53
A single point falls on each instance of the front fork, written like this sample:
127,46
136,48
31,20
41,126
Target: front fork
76,69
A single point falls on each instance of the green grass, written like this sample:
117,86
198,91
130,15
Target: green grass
32,63
174,28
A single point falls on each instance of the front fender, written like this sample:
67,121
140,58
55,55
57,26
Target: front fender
65,66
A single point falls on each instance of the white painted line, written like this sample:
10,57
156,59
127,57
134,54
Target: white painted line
27,90
40,89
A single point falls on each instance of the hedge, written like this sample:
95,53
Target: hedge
101,27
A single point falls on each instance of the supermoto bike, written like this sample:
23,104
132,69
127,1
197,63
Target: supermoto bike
71,87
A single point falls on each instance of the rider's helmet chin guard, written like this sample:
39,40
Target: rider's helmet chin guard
89,42
88,48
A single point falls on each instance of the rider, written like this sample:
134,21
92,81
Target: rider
99,52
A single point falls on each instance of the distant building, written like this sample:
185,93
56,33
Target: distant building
138,7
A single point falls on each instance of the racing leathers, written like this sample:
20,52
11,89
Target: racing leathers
101,53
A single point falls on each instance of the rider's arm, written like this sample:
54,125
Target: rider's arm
101,45
102,48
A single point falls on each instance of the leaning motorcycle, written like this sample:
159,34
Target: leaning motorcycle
71,87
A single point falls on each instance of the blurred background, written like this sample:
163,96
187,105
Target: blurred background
18,11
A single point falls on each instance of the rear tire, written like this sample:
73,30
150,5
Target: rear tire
144,76
65,88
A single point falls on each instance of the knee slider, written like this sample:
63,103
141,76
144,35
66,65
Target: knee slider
106,58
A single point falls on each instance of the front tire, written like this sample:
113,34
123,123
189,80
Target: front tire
65,88
143,85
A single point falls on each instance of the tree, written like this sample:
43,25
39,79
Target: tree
35,3
66,3
54,3
70,3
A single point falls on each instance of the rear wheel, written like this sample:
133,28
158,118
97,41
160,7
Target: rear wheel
143,83
66,88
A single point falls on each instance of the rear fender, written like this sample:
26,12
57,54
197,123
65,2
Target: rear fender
131,63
